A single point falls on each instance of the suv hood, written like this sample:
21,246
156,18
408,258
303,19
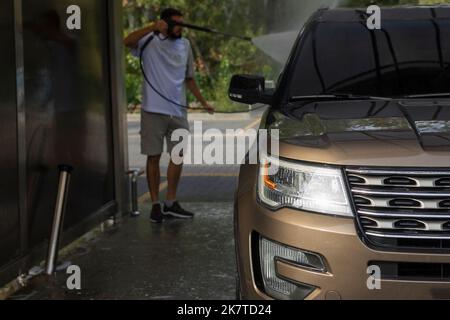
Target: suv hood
407,133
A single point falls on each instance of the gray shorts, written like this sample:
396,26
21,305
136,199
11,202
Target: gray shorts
157,127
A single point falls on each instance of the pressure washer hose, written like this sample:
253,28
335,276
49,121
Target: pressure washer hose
141,63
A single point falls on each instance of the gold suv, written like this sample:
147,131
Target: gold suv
359,204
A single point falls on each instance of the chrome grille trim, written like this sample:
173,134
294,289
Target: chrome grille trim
401,193
402,205
402,215
385,203
415,236
400,173
389,224
379,181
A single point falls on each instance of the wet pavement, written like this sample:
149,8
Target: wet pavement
186,260
189,260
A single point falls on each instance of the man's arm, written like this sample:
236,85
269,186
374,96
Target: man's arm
132,41
191,84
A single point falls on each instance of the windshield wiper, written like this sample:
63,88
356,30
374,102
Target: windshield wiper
338,96
429,95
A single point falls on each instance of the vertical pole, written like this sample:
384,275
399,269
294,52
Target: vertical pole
21,127
118,99
58,218
134,176
135,208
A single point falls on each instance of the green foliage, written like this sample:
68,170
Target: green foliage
362,3
133,81
217,58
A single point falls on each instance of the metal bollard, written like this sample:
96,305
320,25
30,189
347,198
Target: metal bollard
58,218
134,176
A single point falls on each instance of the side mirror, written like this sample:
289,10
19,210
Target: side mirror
249,89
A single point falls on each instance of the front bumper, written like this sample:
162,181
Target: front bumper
336,239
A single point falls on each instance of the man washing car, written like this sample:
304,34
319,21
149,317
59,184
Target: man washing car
169,64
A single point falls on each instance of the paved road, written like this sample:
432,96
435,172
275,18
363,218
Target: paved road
177,260
200,183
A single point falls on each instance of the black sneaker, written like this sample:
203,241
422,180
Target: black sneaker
177,211
156,215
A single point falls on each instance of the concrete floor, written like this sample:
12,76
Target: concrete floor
177,260
186,260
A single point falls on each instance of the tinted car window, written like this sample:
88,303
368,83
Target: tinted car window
404,58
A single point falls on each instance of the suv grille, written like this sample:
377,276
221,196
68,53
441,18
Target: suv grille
403,209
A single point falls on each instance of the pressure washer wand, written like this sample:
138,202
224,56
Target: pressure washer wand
209,30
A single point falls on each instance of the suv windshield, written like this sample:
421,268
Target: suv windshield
405,58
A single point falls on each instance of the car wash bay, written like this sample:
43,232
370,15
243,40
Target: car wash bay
177,260
56,107
62,102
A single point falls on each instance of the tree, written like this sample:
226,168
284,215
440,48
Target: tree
217,58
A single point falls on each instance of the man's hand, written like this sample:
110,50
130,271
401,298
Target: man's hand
192,86
132,41
210,109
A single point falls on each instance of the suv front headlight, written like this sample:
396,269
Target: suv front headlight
306,187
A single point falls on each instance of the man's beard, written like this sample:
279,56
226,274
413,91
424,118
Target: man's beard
174,36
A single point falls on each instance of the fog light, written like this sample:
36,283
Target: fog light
282,289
